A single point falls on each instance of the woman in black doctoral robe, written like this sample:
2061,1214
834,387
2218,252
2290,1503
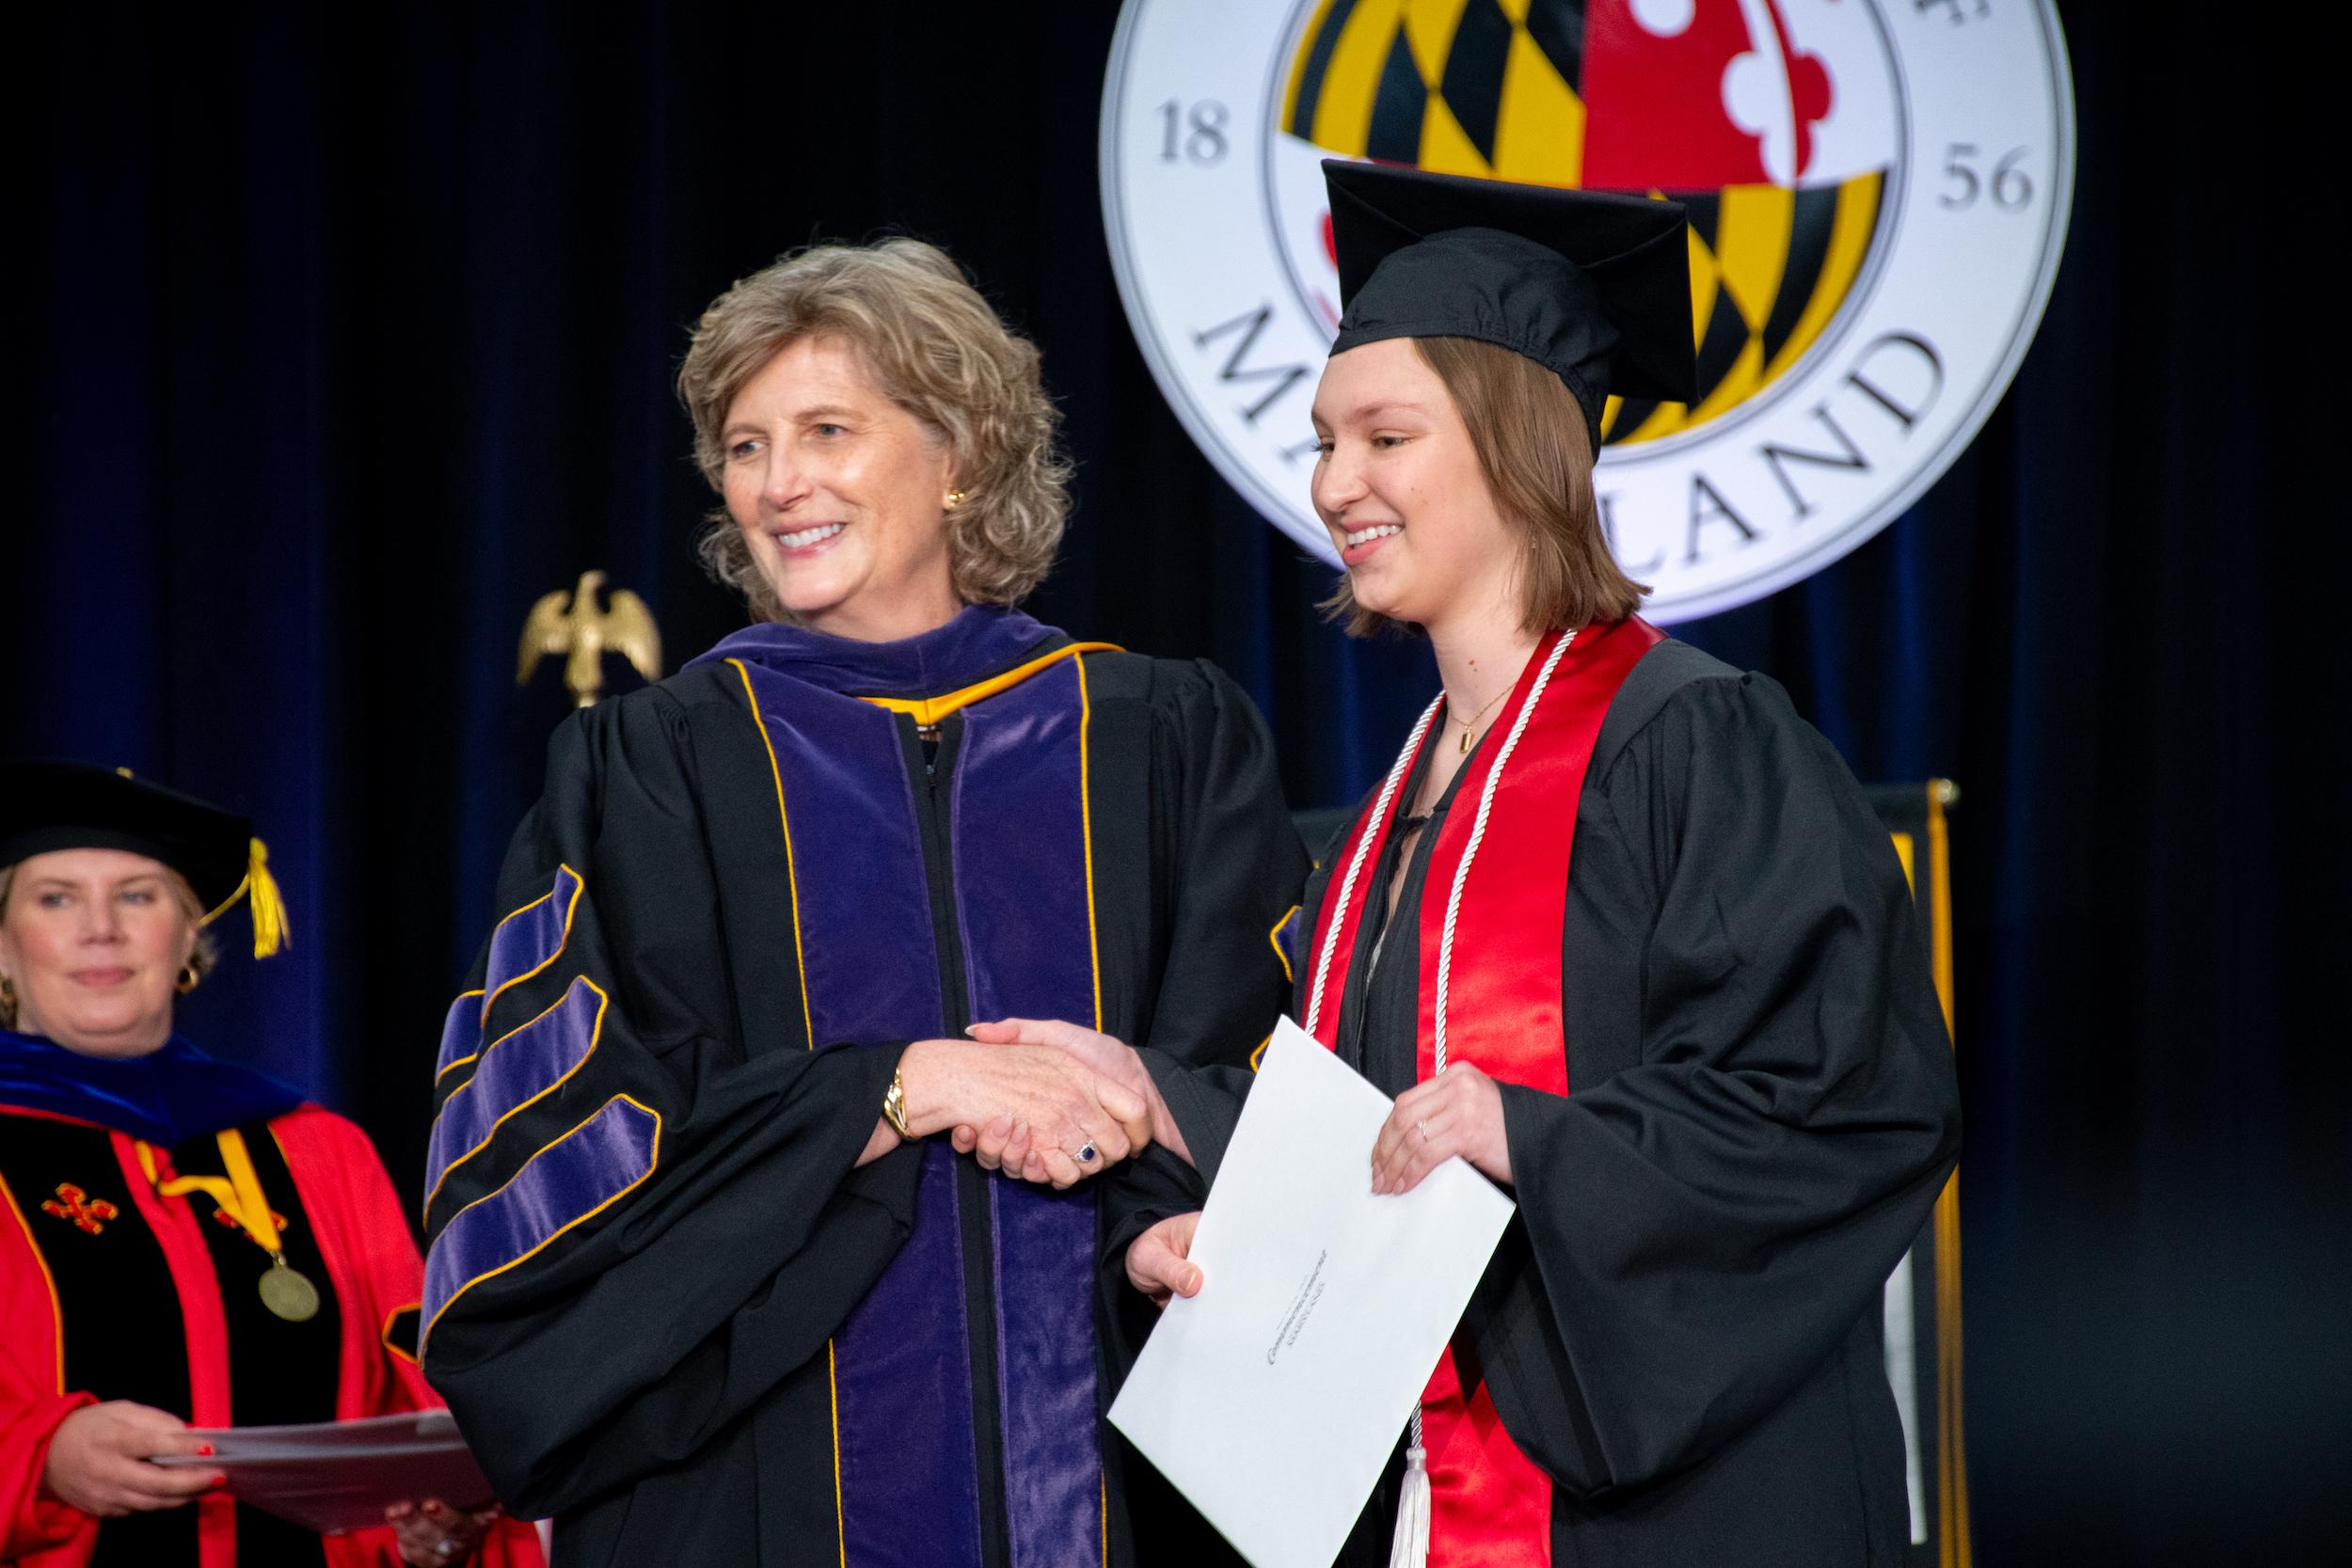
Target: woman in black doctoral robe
722,1269
1618,929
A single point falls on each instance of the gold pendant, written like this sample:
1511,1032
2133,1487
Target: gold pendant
288,1292
1466,742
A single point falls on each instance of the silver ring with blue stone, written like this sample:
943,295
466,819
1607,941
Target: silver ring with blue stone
1085,1155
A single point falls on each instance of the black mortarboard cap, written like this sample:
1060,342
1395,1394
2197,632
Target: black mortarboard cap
1594,287
46,806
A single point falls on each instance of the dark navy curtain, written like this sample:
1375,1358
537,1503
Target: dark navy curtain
341,335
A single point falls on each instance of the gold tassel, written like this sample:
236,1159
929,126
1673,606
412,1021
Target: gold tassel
271,929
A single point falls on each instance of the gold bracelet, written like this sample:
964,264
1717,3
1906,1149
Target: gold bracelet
895,1104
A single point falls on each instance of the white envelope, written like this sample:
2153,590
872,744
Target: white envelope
1273,1398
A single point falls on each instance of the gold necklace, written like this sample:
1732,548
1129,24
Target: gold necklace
1469,724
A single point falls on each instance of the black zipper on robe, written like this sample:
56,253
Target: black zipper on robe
933,778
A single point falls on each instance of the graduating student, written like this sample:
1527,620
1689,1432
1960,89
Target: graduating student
1618,929
714,1276
182,1241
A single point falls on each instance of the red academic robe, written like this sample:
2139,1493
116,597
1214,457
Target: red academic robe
371,1269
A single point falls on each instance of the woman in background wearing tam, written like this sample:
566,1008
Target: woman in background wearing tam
1618,929
182,1241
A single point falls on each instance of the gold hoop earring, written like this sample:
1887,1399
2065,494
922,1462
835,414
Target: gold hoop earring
190,977
955,498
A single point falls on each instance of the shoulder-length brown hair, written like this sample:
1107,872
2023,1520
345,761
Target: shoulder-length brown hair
1532,446
933,347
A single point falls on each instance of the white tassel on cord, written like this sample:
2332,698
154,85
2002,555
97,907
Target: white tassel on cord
1411,1548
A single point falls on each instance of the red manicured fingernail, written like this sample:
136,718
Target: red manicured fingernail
204,1451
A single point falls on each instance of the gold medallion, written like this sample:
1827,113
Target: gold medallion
288,1292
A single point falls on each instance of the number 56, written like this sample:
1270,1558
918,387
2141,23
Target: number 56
2009,185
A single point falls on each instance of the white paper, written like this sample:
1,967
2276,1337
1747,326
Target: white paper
1274,1397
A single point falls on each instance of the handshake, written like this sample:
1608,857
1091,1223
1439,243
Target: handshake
1044,1100
1040,1100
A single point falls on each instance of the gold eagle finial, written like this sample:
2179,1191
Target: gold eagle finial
585,634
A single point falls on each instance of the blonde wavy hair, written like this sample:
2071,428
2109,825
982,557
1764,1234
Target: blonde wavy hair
933,347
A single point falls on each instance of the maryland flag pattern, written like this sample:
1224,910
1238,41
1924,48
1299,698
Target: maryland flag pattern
1715,102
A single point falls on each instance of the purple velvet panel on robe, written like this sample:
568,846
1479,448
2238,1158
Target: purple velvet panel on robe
577,1176
902,1377
521,1066
1020,862
528,941
461,1034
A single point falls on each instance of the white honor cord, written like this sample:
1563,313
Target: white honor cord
1356,862
1411,1547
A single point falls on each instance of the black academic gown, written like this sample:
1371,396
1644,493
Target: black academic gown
1682,1325
657,1376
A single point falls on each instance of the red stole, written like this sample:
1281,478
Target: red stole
1490,1504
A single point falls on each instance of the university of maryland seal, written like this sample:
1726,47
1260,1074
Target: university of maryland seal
1877,190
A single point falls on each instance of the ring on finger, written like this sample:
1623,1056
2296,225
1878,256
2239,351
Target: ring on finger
1424,1126
1085,1155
